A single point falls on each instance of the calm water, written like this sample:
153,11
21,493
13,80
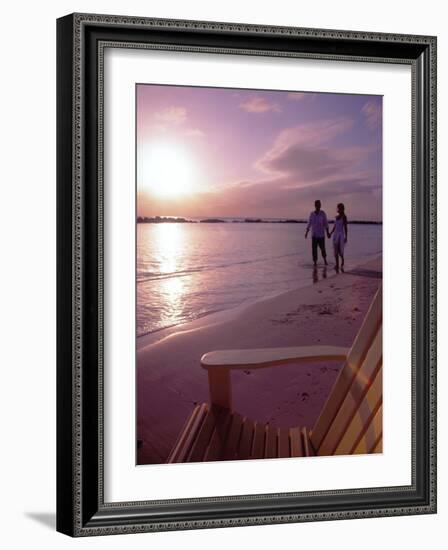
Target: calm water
186,271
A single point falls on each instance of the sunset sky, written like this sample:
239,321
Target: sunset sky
211,152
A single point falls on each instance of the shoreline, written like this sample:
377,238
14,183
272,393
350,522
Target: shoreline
170,381
231,313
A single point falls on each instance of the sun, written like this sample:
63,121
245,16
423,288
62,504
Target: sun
166,170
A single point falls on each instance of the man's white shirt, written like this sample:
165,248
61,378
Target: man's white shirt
318,223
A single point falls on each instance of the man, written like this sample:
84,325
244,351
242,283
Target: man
318,224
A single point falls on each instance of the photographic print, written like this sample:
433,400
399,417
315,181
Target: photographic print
258,276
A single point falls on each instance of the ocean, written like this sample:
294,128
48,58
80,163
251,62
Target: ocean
189,270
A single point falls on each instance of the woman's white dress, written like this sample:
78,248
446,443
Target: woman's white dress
339,236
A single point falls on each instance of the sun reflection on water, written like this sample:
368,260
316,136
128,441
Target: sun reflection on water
170,246
169,243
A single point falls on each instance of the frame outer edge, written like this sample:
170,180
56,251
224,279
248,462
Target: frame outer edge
78,261
65,371
70,509
222,26
433,275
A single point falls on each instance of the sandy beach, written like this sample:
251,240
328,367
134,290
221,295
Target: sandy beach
170,380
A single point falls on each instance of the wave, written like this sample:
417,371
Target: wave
183,320
152,276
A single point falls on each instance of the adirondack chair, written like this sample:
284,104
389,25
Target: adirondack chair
350,421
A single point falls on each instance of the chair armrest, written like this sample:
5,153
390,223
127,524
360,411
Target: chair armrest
270,357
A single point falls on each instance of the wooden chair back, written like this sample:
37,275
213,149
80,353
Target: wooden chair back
351,419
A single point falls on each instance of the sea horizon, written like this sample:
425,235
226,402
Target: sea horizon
259,219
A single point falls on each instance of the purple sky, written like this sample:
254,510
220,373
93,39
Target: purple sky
252,153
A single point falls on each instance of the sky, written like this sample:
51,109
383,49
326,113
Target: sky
220,152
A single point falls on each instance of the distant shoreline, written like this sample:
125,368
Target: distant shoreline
173,219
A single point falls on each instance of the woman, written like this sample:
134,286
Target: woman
339,233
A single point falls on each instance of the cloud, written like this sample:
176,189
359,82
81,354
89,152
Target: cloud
315,165
170,118
372,111
257,104
311,134
296,96
194,132
171,115
305,152
306,162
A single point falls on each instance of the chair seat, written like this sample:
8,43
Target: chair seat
215,433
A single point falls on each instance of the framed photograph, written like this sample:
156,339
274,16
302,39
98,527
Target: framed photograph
246,274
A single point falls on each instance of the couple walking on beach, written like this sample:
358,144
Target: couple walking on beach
318,224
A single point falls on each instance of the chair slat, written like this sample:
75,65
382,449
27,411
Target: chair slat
231,445
362,417
359,349
246,439
372,435
331,406
216,445
259,439
188,434
296,441
358,388
284,450
379,445
307,446
203,436
183,435
368,330
271,442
